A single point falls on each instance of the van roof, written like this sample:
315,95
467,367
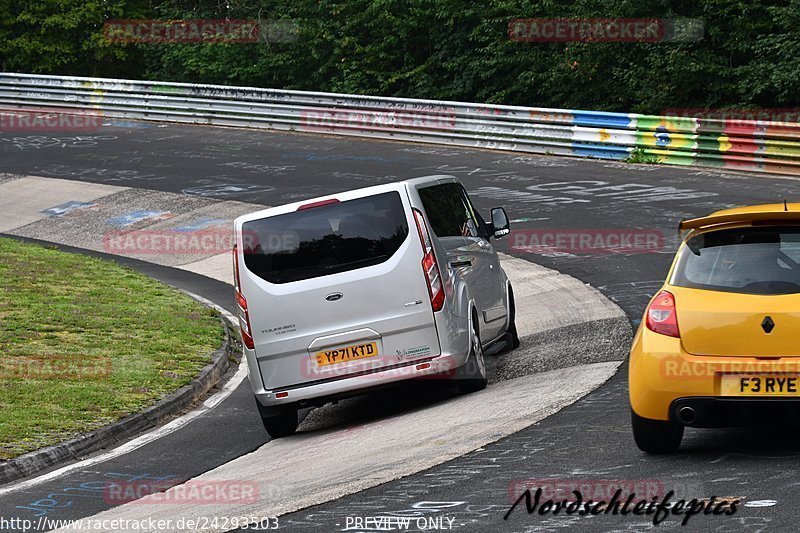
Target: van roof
364,191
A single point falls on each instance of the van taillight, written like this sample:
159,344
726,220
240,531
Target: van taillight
241,302
429,266
661,315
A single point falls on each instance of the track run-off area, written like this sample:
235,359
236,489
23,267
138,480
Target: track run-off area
523,430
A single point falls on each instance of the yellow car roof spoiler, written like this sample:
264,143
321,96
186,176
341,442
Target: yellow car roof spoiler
740,217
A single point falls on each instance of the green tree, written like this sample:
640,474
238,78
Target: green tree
64,37
749,54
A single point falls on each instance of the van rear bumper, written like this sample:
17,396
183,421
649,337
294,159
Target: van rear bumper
319,392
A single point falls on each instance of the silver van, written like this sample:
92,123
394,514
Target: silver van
345,293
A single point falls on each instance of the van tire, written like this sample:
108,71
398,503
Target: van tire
279,425
512,338
656,436
472,374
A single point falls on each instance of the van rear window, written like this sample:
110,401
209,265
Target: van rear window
754,260
324,240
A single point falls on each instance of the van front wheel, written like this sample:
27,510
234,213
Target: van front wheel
281,424
512,337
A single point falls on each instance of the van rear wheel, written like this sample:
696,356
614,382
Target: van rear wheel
280,424
472,374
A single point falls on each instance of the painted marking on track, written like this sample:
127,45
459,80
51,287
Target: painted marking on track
524,196
360,177
565,192
337,157
101,174
261,169
761,503
444,152
67,207
201,224
542,162
227,189
632,166
96,488
127,124
519,220
43,141
141,215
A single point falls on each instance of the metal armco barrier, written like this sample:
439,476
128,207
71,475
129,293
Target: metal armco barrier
737,144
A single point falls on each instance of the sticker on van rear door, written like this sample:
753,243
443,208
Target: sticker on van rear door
417,351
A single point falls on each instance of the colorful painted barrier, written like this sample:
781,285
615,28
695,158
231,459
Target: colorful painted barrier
683,139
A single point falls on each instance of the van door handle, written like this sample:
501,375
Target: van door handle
459,264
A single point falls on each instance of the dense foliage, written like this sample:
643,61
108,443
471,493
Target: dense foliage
448,49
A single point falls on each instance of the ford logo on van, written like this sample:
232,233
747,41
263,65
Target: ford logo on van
334,296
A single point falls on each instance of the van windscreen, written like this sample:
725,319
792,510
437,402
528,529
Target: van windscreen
326,239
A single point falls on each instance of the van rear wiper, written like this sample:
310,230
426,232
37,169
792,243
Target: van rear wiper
358,261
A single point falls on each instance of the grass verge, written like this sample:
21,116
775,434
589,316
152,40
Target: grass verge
85,342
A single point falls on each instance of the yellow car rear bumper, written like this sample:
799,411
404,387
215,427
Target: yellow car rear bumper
661,372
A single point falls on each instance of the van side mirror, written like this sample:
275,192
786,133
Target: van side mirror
500,224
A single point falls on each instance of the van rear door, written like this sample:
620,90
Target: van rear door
335,287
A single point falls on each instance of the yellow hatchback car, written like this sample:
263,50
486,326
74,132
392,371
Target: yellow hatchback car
719,344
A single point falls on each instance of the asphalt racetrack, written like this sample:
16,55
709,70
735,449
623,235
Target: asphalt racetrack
588,441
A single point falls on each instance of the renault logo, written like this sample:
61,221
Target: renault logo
768,325
334,296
